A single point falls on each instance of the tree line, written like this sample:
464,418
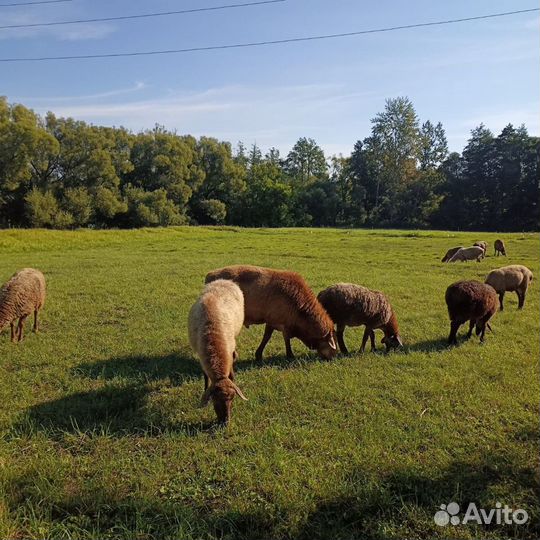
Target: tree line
63,173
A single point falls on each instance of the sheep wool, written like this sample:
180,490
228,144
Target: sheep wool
21,296
214,322
473,253
513,278
353,305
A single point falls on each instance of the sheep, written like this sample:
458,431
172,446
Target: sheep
214,322
21,296
500,248
473,253
450,253
510,278
283,301
470,301
482,244
353,305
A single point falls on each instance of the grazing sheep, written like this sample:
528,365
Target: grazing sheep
470,301
500,249
214,322
482,244
353,305
450,253
510,278
283,301
21,296
473,253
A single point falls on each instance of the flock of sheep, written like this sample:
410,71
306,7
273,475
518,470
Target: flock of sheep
242,295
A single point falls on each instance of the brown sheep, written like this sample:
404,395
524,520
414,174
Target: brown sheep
353,305
510,278
482,244
500,248
21,296
450,253
283,301
470,301
214,322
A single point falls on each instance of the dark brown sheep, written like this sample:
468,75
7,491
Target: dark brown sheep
450,253
283,301
500,249
470,301
353,305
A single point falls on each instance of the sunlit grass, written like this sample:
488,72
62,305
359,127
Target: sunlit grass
101,436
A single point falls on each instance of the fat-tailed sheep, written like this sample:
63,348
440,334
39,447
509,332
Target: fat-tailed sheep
214,322
283,301
353,305
473,253
21,296
482,244
450,253
470,301
500,248
510,278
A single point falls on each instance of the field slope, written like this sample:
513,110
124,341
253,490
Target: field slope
101,437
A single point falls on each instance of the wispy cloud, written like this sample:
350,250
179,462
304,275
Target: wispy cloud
136,87
271,116
70,32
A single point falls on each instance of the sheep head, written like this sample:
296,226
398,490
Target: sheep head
222,393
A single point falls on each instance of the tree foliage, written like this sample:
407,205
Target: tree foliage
64,173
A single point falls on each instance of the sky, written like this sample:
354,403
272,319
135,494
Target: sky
461,74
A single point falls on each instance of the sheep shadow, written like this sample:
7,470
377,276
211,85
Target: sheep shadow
429,345
117,411
178,368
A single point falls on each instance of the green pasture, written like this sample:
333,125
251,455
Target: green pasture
101,436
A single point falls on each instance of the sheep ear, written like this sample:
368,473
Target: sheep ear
205,398
239,392
332,343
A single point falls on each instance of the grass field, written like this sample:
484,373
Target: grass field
101,437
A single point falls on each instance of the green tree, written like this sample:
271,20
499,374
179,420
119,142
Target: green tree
306,162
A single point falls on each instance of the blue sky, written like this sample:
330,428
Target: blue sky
462,74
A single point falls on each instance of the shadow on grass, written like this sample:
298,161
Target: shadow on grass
111,411
373,507
429,345
143,368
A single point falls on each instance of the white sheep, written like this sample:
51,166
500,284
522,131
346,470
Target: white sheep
214,322
473,253
21,296
510,278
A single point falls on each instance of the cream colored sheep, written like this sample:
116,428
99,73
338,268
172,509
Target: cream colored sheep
510,278
214,322
21,296
482,244
473,253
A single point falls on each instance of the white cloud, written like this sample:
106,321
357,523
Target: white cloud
69,32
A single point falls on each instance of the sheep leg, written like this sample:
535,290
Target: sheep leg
454,327
205,382
471,326
268,331
20,328
288,348
364,339
340,340
521,299
12,332
372,339
36,324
